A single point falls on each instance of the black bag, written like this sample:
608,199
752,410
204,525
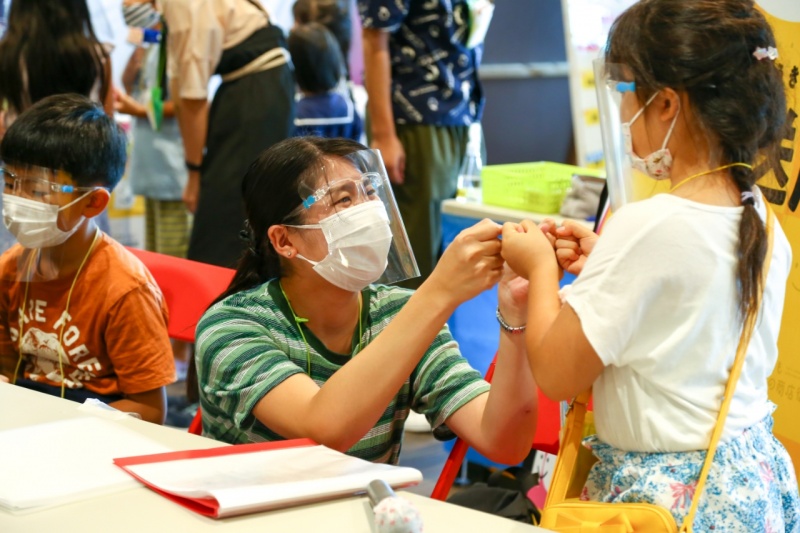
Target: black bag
505,493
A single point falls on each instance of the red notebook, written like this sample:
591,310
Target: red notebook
248,478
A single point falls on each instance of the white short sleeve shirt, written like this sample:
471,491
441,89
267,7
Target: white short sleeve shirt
657,300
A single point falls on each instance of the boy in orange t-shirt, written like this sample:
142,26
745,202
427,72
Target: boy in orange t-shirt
80,316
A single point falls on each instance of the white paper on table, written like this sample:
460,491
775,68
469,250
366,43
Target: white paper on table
270,479
55,463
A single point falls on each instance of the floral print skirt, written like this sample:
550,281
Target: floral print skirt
751,485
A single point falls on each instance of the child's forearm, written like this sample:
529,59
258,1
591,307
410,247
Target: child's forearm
150,405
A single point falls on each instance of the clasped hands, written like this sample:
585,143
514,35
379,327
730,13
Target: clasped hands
478,258
548,247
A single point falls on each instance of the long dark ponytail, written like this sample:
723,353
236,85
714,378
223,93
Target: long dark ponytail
270,189
705,47
50,48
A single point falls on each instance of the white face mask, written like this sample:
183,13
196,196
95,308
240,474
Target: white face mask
35,224
657,165
359,239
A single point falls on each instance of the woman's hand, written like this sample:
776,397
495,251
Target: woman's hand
470,265
512,297
526,247
574,242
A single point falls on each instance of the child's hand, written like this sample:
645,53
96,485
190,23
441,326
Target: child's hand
526,247
574,242
548,227
123,103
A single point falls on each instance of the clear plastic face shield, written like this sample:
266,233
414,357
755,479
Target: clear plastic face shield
42,209
351,201
43,281
630,178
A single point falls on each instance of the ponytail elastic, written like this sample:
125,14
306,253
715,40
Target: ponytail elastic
249,237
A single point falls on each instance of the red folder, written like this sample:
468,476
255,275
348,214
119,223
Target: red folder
299,472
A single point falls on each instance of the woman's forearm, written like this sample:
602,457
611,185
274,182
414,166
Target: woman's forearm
193,122
339,414
509,418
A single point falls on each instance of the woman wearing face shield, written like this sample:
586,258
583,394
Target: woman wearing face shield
305,344
677,281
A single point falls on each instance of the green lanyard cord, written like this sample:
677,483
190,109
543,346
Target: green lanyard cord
300,321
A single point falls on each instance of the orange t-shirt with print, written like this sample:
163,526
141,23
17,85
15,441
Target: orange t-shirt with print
114,334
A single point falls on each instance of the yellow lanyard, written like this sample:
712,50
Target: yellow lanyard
299,321
690,178
63,322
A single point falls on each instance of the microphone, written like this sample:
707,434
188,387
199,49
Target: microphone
393,514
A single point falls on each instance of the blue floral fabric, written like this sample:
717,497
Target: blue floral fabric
434,74
751,485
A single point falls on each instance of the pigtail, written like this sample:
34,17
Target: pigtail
257,264
752,248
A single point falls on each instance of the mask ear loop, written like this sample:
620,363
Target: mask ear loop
63,322
671,127
641,109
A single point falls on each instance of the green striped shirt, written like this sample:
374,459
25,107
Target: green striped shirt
248,343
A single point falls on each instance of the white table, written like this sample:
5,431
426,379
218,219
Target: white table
141,510
499,214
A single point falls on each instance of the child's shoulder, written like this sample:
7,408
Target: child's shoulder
10,260
113,264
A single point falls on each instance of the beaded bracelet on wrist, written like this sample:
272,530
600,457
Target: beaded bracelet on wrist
507,327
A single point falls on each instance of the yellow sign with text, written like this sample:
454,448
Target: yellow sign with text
782,188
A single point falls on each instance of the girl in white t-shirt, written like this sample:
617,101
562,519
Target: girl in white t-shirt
653,321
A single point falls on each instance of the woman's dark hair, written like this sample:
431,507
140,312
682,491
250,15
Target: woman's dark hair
68,132
333,14
318,63
271,196
705,48
50,48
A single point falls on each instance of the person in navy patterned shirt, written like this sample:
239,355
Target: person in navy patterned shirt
424,92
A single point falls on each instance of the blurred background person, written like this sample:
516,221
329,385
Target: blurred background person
421,74
156,170
252,109
50,47
324,107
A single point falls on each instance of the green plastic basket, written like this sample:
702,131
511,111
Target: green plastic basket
535,187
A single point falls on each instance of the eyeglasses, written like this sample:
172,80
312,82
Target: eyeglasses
344,193
35,187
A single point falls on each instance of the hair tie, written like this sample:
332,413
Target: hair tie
248,236
748,198
769,52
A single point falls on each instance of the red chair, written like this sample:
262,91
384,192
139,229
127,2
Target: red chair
189,287
545,439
